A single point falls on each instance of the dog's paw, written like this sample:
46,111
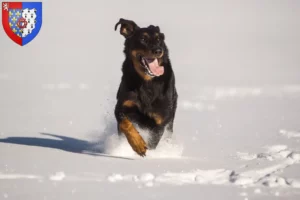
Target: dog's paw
138,144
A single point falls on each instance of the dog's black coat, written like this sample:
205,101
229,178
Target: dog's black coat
157,95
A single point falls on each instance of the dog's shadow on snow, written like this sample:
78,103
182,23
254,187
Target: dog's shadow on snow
69,144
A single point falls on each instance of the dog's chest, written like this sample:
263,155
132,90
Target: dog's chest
151,97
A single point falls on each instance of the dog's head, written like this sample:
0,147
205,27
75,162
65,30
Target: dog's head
145,46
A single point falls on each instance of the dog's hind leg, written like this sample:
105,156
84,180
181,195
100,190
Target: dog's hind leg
169,132
170,127
171,123
155,136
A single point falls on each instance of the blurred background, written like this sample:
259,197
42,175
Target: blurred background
65,80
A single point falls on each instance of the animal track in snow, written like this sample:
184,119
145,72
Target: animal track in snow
265,176
274,152
246,156
218,176
262,176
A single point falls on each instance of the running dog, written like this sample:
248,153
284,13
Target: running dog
147,95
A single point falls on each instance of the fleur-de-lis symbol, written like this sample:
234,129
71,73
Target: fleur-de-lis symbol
5,6
18,13
14,19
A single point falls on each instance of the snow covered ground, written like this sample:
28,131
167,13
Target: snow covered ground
237,129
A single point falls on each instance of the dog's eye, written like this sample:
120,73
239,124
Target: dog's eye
143,39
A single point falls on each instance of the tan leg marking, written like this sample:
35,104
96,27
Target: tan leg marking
157,118
133,137
129,103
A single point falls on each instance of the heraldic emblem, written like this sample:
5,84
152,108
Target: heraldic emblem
22,21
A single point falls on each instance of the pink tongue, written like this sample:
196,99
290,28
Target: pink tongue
155,68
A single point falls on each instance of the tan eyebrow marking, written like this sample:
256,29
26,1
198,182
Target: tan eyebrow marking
146,34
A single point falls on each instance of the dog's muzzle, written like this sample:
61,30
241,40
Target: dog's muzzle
151,65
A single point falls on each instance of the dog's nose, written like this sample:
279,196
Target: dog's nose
157,52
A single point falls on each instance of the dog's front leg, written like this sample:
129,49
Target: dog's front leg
134,138
124,112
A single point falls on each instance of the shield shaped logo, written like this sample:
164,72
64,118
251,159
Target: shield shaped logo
22,21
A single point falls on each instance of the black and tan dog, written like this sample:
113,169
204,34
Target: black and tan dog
147,95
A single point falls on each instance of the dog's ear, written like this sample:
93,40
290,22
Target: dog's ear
128,27
162,36
156,28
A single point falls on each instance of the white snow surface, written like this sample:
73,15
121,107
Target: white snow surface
236,132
